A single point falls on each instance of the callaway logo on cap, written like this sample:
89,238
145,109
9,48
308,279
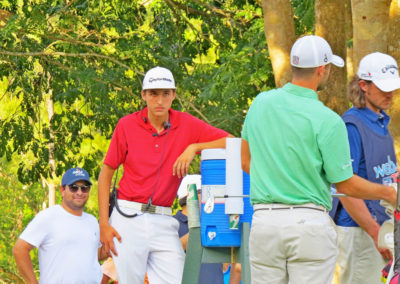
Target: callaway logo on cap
381,69
313,51
158,78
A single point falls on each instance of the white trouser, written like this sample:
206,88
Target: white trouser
359,261
150,243
297,245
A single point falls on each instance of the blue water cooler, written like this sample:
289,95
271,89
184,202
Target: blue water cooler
214,227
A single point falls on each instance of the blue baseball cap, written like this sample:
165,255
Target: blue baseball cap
74,174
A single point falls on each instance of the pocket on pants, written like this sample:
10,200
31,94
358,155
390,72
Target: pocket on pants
316,240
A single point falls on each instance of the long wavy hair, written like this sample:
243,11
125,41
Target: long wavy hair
355,94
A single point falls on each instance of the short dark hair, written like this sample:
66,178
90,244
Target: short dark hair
303,73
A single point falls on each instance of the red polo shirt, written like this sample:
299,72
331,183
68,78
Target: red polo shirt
136,145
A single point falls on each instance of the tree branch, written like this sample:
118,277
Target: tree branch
57,53
217,11
200,34
61,10
193,107
74,41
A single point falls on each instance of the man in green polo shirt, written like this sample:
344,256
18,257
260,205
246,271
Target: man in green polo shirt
294,147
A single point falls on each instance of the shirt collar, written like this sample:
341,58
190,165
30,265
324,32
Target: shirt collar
374,117
300,91
143,119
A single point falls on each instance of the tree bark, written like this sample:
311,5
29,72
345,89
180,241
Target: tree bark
331,26
394,50
52,161
279,31
370,22
350,69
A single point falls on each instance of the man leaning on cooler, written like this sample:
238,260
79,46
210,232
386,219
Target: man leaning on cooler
155,146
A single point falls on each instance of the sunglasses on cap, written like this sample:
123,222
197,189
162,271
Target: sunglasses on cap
74,188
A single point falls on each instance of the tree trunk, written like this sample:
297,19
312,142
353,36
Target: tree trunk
331,26
394,50
279,31
350,68
370,22
52,161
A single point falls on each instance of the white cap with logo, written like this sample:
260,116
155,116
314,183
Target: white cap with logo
381,69
158,78
313,51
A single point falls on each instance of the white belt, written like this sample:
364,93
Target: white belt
281,206
144,208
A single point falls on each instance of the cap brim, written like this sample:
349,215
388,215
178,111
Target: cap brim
159,88
387,85
78,179
337,61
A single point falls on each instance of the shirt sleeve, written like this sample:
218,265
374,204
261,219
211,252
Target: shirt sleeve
208,132
250,111
355,146
35,233
118,148
335,151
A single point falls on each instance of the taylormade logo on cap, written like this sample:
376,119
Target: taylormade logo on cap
313,51
158,78
381,69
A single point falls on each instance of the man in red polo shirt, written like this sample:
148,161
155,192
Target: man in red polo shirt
155,146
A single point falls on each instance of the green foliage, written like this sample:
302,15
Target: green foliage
19,205
304,16
87,60
88,57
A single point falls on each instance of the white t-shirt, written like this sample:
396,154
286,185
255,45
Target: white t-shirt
67,246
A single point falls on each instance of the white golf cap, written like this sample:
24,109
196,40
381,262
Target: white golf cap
188,179
158,78
313,51
381,69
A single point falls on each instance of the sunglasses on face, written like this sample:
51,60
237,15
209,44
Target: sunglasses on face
74,188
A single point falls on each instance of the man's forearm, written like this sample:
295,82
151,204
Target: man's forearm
361,188
246,156
104,186
219,143
361,215
24,262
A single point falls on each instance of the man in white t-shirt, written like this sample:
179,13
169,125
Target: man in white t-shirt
68,239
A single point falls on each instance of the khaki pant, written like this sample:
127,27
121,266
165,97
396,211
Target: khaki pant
359,261
296,245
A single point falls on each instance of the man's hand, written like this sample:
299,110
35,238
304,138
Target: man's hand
385,252
182,163
392,199
107,234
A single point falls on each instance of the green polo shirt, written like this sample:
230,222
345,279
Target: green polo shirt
298,147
